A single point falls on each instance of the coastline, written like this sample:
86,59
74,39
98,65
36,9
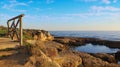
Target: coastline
59,51
78,41
44,50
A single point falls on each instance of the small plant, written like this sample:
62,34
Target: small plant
3,31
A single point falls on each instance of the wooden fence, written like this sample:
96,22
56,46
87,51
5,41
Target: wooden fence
15,31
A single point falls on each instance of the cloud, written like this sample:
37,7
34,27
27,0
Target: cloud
19,10
11,8
12,1
13,4
114,1
106,1
30,1
38,9
102,8
49,1
87,0
103,1
109,1
4,16
107,11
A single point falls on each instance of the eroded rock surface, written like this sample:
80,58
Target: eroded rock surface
43,35
117,55
106,57
91,61
48,54
77,41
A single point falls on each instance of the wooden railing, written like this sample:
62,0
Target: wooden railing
15,31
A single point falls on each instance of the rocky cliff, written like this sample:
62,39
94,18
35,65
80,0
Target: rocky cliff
52,53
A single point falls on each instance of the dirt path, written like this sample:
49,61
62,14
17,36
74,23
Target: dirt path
9,55
7,43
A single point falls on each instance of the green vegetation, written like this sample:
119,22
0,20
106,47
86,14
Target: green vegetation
25,37
26,34
3,31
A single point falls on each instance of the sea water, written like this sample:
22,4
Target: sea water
119,62
106,35
90,48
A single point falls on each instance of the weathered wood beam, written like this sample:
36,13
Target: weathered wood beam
12,28
21,31
16,17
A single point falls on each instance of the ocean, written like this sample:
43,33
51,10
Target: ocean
106,35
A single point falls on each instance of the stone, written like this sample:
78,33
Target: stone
40,59
91,61
70,41
71,61
106,57
117,55
51,52
43,36
54,54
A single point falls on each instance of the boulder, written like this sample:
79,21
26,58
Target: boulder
91,61
43,36
68,59
71,61
117,55
41,61
51,52
39,58
48,54
70,41
105,57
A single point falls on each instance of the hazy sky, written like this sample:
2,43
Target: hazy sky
63,14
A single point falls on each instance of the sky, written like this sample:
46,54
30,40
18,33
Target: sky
71,15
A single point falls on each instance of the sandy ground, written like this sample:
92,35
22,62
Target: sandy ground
7,43
13,60
10,58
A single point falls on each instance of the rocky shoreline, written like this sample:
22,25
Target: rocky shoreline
44,50
49,51
78,41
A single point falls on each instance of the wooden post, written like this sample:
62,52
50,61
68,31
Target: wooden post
21,32
12,30
8,27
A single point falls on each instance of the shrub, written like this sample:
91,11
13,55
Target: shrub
3,31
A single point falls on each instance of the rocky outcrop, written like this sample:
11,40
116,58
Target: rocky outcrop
106,57
51,54
91,61
70,41
117,55
43,35
76,41
70,60
39,59
47,53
